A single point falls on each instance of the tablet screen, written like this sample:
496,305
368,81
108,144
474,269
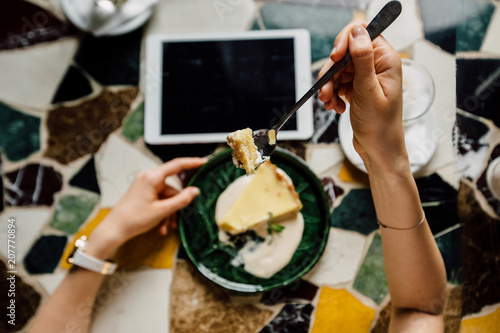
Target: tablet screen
222,86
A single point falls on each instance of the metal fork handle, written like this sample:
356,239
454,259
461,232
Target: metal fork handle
380,22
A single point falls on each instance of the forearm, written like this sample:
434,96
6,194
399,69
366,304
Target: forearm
69,309
414,267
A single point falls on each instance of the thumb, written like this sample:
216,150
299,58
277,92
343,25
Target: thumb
178,201
361,50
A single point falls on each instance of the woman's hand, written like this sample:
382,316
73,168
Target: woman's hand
372,84
148,203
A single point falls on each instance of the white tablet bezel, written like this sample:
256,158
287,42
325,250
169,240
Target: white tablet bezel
153,84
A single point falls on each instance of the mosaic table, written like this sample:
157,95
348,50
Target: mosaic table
71,139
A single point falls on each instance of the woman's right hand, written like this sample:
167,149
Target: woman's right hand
372,84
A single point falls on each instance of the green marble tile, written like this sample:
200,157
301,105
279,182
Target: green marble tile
72,211
356,212
133,128
324,23
449,245
371,280
473,21
19,133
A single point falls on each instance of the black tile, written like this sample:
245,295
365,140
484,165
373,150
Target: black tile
300,290
470,134
478,87
480,253
331,189
440,19
86,178
112,60
25,24
449,245
73,86
293,318
35,184
482,184
326,122
45,254
439,200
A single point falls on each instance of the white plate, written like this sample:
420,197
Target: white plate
420,140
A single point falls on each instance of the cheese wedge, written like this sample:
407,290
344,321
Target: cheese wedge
245,154
269,193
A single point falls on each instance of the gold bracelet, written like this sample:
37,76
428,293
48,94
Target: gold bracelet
414,227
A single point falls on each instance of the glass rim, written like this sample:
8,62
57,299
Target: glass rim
425,72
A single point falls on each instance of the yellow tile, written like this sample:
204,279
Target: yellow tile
339,311
485,324
149,249
351,174
87,230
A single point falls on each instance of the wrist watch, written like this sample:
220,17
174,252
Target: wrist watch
79,258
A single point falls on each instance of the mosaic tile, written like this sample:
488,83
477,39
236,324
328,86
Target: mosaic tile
440,19
26,298
32,185
298,291
50,282
371,280
356,212
72,210
45,254
150,249
1,187
324,23
490,42
487,323
193,299
351,174
116,312
31,66
168,152
474,18
29,223
19,133
322,157
483,186
406,30
73,86
86,230
75,131
478,82
133,127
111,60
340,260
480,255
332,191
473,145
292,318
439,200
178,16
86,178
452,313
449,246
359,4
25,24
339,311
118,164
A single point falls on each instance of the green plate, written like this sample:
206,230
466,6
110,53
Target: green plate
199,233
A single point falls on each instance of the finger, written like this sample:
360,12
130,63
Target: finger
326,91
168,192
163,227
175,166
182,199
336,103
362,53
341,43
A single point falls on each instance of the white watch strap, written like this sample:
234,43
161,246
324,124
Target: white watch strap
91,263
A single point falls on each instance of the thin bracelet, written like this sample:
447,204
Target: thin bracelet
414,227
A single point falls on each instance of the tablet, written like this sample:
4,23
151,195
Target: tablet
200,87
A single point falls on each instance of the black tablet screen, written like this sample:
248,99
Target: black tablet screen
222,86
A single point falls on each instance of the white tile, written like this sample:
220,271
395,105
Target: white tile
50,282
29,222
117,165
37,69
322,157
180,16
340,260
134,302
491,42
442,67
406,30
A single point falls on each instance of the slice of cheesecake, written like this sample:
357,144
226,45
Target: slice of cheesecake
270,193
245,154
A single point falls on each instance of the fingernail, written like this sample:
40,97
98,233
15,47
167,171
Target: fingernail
358,31
194,191
333,51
